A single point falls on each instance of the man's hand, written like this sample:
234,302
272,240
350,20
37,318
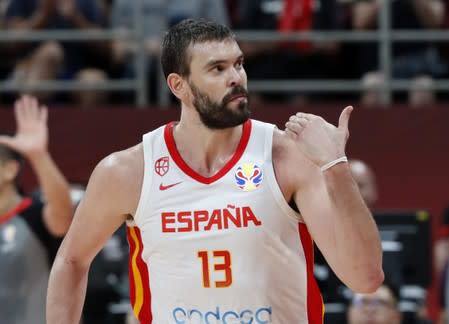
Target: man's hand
319,140
31,137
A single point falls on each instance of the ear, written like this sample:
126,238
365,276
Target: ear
11,170
177,85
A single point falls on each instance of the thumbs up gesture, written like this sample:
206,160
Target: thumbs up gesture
319,140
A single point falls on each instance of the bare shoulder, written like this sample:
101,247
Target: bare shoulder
122,163
285,151
120,176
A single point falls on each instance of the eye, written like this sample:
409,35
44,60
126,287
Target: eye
239,64
218,68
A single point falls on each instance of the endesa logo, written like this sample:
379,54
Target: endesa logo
261,315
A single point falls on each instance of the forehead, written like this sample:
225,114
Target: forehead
203,53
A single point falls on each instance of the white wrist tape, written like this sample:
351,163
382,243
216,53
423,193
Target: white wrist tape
332,163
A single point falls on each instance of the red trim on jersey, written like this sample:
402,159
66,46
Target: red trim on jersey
24,204
171,145
315,306
139,283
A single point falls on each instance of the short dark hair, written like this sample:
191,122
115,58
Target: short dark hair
175,57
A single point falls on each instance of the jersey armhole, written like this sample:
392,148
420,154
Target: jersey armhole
146,183
274,185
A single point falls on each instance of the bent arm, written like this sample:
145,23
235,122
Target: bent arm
342,226
330,202
109,199
58,209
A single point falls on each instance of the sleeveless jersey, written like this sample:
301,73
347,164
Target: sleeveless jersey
220,249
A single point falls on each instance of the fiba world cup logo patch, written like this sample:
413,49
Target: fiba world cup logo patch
248,176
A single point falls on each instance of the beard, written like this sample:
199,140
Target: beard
217,115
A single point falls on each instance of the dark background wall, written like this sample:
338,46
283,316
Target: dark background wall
408,149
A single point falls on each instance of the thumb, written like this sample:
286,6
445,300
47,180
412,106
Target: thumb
343,121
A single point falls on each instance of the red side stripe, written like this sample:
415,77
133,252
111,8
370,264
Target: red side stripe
315,306
132,286
174,153
140,294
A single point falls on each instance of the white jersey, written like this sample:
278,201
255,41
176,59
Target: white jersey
221,249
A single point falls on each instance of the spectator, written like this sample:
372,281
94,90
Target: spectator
421,93
380,307
289,60
372,94
366,181
410,59
55,60
30,229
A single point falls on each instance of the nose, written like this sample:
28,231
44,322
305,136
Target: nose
235,77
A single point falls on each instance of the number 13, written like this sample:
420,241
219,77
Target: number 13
225,266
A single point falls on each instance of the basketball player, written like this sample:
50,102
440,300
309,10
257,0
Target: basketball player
213,237
30,229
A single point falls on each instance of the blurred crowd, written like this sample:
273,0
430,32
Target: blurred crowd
25,63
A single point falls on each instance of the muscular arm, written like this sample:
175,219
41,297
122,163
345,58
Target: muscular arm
58,208
111,196
329,201
342,227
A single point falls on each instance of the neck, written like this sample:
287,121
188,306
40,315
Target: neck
211,149
9,198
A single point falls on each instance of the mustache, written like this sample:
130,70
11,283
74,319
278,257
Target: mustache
237,90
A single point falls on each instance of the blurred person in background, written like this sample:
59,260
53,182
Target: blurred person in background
372,95
56,60
410,59
276,59
30,229
365,178
380,307
421,93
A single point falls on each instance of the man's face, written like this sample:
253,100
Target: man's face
377,308
218,84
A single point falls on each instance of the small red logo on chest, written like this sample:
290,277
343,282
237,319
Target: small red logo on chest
163,187
161,166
